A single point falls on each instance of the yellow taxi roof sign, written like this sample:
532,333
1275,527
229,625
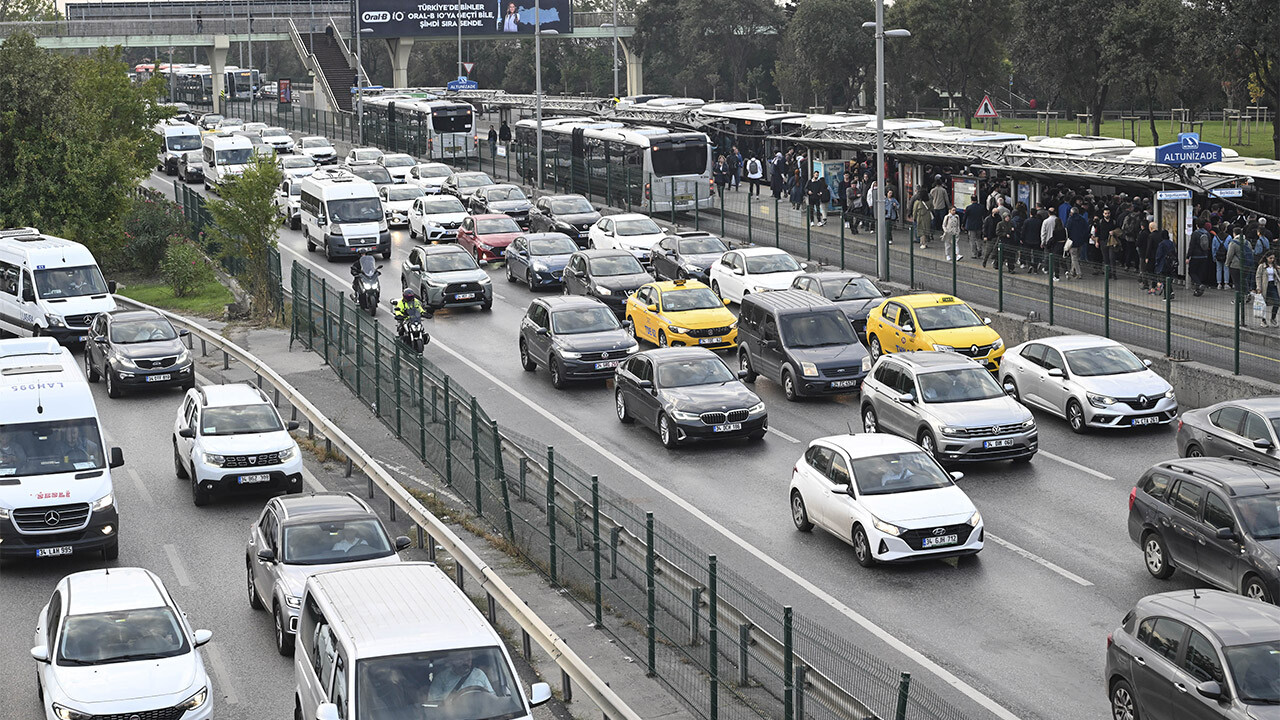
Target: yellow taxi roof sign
946,299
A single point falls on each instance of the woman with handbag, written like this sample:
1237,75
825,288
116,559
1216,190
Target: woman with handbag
1267,282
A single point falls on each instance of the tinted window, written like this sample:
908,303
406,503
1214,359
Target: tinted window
701,246
886,374
1202,660
1255,669
839,472
1216,513
1186,497
1255,428
1107,360
1052,359
1260,515
1033,353
121,636
817,330
852,289
239,420
959,386
690,373
1228,418
890,313
1165,636
945,317
642,369
819,458
1157,485
615,265
335,541
898,472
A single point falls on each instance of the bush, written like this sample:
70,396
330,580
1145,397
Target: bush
148,229
184,268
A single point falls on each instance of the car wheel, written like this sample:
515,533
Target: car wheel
199,497
413,234
744,365
284,641
39,688
90,371
799,515
564,290
528,279
862,548
526,360
1123,706
715,288
870,423
662,339
875,348
620,403
178,468
591,244
1193,450
255,602
386,255
789,385
311,247
112,550
1156,556
1255,589
557,374
1075,417
631,330
666,433
295,224
113,390
1008,380
328,252
926,442
510,275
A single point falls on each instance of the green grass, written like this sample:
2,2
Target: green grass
1210,131
207,301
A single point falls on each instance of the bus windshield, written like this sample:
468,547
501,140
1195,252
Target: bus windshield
182,143
451,123
688,160
235,156
67,282
53,446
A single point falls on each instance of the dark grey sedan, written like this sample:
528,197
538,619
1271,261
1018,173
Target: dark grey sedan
1243,428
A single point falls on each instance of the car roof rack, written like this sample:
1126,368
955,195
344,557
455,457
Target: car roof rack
1178,467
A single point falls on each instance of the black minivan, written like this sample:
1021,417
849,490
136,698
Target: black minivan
801,341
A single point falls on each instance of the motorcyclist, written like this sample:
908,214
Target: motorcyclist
362,266
406,305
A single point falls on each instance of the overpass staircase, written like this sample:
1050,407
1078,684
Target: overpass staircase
333,64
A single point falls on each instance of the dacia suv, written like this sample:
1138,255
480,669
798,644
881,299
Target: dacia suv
1217,519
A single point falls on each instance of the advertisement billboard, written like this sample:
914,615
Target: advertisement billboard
401,18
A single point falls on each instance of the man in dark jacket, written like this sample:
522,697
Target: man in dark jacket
504,133
1102,228
973,218
1078,236
818,195
989,235
777,175
1030,239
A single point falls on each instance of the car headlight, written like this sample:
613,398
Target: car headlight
691,268
756,409
633,347
570,354
950,430
975,518
808,369
1029,424
104,502
733,324
293,601
123,360
183,357
1170,395
943,348
760,288
540,266
866,364
485,280
677,329
335,229
287,453
887,528
65,713
4,513
602,290
55,321
432,282
999,343
685,416
196,700
1097,400
214,459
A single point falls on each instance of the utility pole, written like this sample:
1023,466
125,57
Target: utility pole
882,243
460,68
615,48
537,80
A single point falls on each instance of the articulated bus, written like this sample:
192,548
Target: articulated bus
194,83
424,127
632,164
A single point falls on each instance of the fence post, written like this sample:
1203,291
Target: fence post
904,685
311,321
650,627
1239,311
713,635
842,244
1000,277
377,371
399,399
788,672
1052,270
595,546
324,314
673,201
744,654
422,414
777,229
808,241
751,238
475,452
801,670
1106,300
720,192
697,202
500,474
551,508
359,354
448,435
1168,318
911,259
955,252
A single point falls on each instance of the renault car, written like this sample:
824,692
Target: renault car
681,313
929,321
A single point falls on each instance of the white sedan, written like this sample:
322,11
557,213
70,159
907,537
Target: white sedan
363,156
296,166
742,272
886,497
436,218
397,201
429,176
633,232
319,149
398,164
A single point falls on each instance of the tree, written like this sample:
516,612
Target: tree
698,48
825,52
1248,46
245,226
1142,38
1059,44
28,10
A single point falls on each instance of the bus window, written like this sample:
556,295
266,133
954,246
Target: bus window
688,160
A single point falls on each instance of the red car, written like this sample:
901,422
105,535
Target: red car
486,237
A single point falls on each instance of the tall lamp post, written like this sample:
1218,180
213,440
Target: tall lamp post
615,48
537,82
360,81
882,244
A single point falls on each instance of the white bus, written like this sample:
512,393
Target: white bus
425,128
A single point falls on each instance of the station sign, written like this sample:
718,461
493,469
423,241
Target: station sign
462,83
1227,192
1189,150
1173,195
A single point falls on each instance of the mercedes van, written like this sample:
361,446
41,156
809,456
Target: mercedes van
49,286
225,156
401,641
176,138
55,472
342,215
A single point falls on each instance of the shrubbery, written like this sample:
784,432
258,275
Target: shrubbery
184,268
151,226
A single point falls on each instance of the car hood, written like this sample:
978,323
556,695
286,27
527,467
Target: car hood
596,341
963,337
1264,712
277,141
129,680
362,229
453,218
702,318
508,206
702,260
297,173
579,219
553,262
639,242
153,349
454,276
939,506
625,283
731,395
294,577
82,304
1002,410
857,309
250,444
34,491
773,281
398,205
435,182
498,239
1143,382
831,355
321,152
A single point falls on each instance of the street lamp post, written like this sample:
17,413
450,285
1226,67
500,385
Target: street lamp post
360,80
882,244
460,68
537,83
615,48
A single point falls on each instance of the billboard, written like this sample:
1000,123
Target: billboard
403,18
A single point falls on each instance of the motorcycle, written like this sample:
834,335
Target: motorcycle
364,284
411,331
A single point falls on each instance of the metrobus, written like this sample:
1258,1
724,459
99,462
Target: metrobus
632,164
194,83
424,127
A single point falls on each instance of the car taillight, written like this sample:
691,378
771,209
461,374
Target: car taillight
1179,424
1133,495
1108,641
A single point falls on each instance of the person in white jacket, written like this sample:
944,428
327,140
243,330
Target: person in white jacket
951,233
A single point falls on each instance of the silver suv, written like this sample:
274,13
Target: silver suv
950,405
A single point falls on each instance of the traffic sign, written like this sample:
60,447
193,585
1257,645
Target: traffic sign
1189,150
468,67
986,109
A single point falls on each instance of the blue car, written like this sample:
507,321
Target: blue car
538,259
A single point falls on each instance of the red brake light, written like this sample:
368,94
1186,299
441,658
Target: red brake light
1133,494
1108,641
1179,424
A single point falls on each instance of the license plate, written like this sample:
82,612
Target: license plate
997,443
159,378
710,341
1145,420
684,198
843,383
54,551
464,296
727,427
251,479
606,364
932,542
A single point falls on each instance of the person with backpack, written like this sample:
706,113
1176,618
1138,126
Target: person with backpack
755,175
1132,225
1218,246
1199,263
1240,260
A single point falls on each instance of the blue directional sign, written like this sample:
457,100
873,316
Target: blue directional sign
1189,150
462,83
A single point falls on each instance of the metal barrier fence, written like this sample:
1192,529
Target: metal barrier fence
712,637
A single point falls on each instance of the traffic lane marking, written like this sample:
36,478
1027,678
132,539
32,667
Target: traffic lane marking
142,487
783,435
179,570
219,670
1040,561
1076,466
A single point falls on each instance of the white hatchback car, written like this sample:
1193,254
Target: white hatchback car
886,497
113,644
429,176
399,165
436,218
230,439
633,232
759,269
363,156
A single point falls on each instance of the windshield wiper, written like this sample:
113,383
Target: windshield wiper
137,656
77,661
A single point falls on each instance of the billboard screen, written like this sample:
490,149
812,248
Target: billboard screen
400,18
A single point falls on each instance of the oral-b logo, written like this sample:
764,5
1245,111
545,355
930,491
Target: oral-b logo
379,16
1190,142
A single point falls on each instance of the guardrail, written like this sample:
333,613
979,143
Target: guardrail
437,533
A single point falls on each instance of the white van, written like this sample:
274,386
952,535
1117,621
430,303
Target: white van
49,286
55,480
176,138
225,156
343,215
401,641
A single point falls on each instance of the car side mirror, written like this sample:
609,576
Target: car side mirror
906,398
321,221
327,711
727,301
627,323
1263,444
1210,689
99,339
403,542
202,637
187,433
40,653
414,267
267,555
644,384
739,271
184,332
986,321
743,374
1056,372
541,331
957,475
1225,533
483,263
1010,389
111,286
909,329
1147,363
539,694
291,425
652,308
117,458
804,266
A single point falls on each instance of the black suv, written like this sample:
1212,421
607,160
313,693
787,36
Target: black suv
1217,519
572,215
610,276
801,341
1195,654
575,338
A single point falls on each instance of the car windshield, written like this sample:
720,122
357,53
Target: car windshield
355,210
492,226
1256,670
239,420
897,472
1105,360
853,288
296,161
121,636
140,331
232,122
295,190
771,263
962,385
476,180
67,282
465,684
435,170
583,320
552,246
400,193
697,371
211,119
1260,515
274,132
690,299
234,156
571,206
316,142
373,173
335,541
181,143
53,446
947,317
367,154
449,262
499,194
702,246
397,161
615,265
817,329
637,226
438,204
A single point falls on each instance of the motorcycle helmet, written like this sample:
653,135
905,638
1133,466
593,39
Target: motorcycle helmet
409,294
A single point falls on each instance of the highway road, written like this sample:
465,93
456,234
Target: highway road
1020,631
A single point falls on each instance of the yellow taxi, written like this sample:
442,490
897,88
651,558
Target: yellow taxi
681,313
930,321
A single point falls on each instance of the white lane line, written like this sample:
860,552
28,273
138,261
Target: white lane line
179,570
1039,560
220,673
142,487
783,435
311,482
884,635
1077,466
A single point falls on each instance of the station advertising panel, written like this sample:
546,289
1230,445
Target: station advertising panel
404,18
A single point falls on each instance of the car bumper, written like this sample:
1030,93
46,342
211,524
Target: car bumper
1121,415
592,369
980,449
438,298
700,430
491,254
823,385
66,335
398,218
890,549
342,245
171,165
438,234
103,529
284,476
723,342
177,375
548,278
193,176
